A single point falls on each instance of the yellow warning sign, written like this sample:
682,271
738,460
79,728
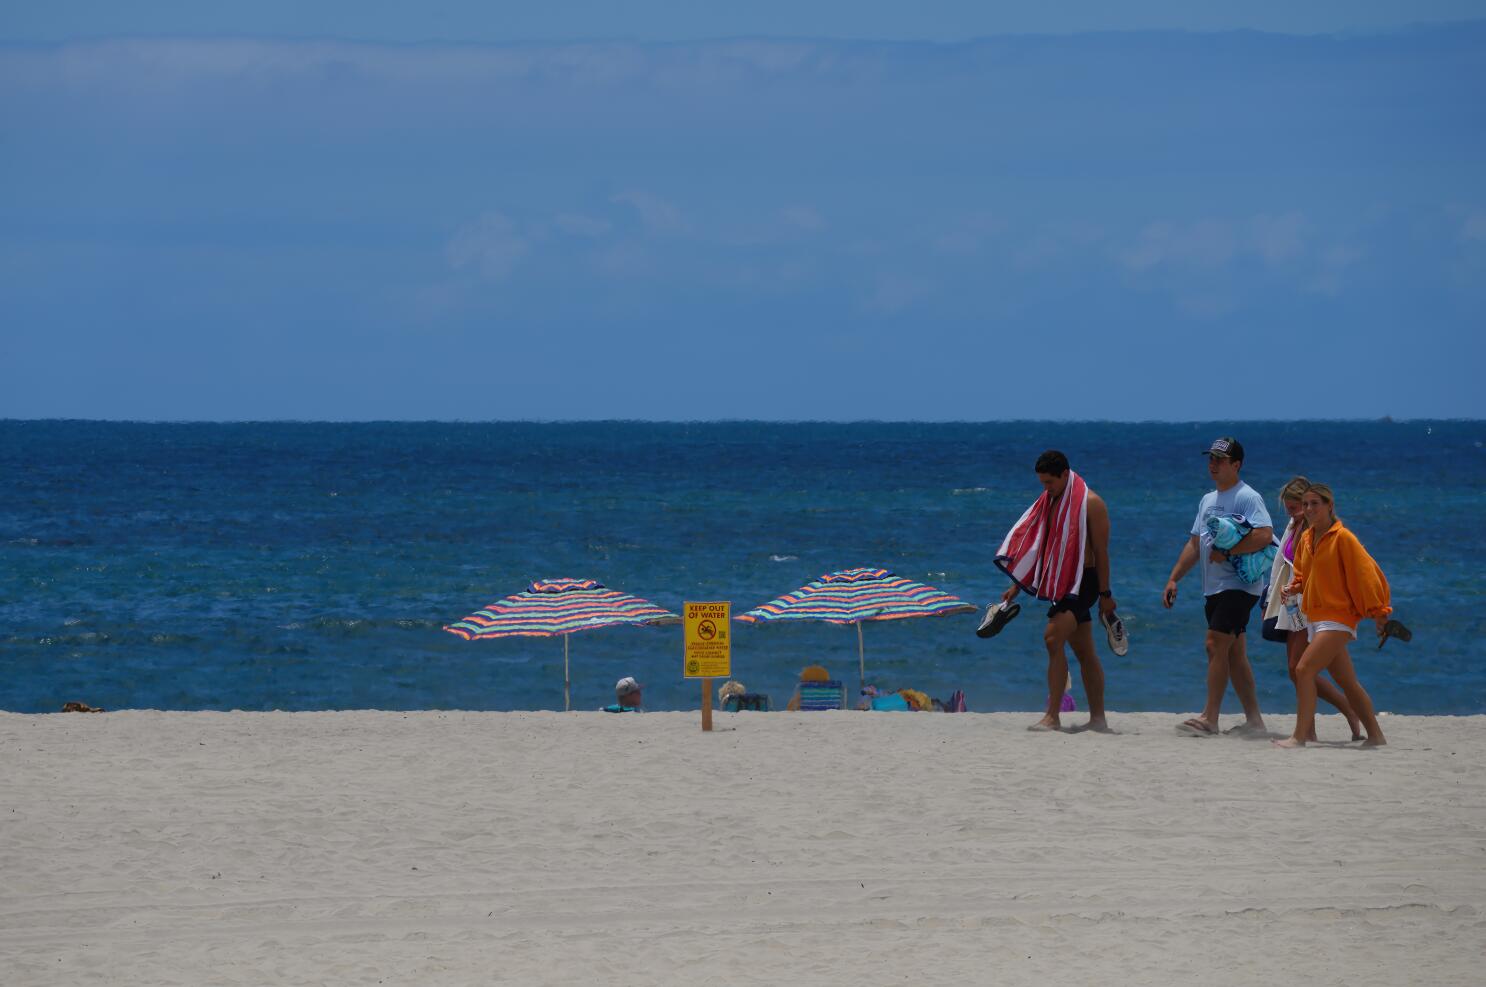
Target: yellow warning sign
709,646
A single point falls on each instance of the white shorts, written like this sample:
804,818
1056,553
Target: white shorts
1311,630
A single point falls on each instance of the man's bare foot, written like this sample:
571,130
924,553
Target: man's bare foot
1289,743
1093,726
1048,724
1250,728
1377,741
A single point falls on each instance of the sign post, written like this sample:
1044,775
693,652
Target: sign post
709,648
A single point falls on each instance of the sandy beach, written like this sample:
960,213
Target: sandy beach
826,848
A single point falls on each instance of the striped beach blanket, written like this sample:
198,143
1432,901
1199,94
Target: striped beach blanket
1044,551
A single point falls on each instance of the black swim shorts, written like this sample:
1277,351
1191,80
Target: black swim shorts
1228,611
1079,603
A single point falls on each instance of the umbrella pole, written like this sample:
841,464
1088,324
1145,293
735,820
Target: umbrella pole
567,683
861,661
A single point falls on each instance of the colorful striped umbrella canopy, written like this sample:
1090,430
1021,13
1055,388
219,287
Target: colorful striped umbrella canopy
853,596
552,607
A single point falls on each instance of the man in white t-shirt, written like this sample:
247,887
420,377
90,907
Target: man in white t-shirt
1228,598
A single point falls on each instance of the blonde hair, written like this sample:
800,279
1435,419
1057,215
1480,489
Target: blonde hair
1294,490
1324,492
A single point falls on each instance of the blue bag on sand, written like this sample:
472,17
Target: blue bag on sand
890,703
1229,531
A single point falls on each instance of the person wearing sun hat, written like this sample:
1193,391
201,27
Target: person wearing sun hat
1228,599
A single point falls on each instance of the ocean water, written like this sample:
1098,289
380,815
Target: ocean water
312,566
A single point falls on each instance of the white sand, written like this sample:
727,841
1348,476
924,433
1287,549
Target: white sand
824,848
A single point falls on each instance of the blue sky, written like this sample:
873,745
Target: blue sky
355,211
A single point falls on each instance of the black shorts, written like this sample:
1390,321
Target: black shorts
1079,603
1228,611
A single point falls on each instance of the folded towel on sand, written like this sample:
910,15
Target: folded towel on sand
1044,551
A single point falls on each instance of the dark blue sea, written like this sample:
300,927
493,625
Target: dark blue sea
312,566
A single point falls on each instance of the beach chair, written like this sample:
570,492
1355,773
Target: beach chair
830,694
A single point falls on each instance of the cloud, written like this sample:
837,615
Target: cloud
967,235
895,292
1213,244
576,224
658,215
624,260
1334,261
1278,238
1054,242
1204,244
1212,305
802,218
1473,226
490,246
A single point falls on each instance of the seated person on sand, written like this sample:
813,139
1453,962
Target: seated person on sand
627,696
728,690
733,696
809,675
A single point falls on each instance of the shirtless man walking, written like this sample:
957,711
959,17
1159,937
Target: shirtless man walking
1069,620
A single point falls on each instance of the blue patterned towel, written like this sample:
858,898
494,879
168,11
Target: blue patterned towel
1252,567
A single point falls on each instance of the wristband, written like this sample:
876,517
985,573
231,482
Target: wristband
1106,593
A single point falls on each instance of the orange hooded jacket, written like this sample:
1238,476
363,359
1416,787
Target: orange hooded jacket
1340,580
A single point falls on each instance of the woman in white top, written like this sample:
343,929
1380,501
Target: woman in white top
1291,618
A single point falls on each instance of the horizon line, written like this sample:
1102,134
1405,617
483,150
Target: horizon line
1380,420
1404,27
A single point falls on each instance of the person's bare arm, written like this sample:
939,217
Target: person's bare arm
1184,564
1099,536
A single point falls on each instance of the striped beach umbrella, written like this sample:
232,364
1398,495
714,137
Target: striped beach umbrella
854,596
559,607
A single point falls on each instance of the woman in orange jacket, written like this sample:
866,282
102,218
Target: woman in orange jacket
1342,585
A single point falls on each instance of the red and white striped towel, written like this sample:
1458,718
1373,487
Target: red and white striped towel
1044,551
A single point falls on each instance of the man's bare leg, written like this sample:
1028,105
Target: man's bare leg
1056,634
1242,674
1092,674
1218,646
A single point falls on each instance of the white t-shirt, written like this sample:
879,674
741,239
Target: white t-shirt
1239,499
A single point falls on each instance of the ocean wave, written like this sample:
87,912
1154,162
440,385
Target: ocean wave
966,491
132,637
342,626
784,558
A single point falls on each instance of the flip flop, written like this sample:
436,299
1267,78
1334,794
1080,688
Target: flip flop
1395,629
1197,727
998,615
